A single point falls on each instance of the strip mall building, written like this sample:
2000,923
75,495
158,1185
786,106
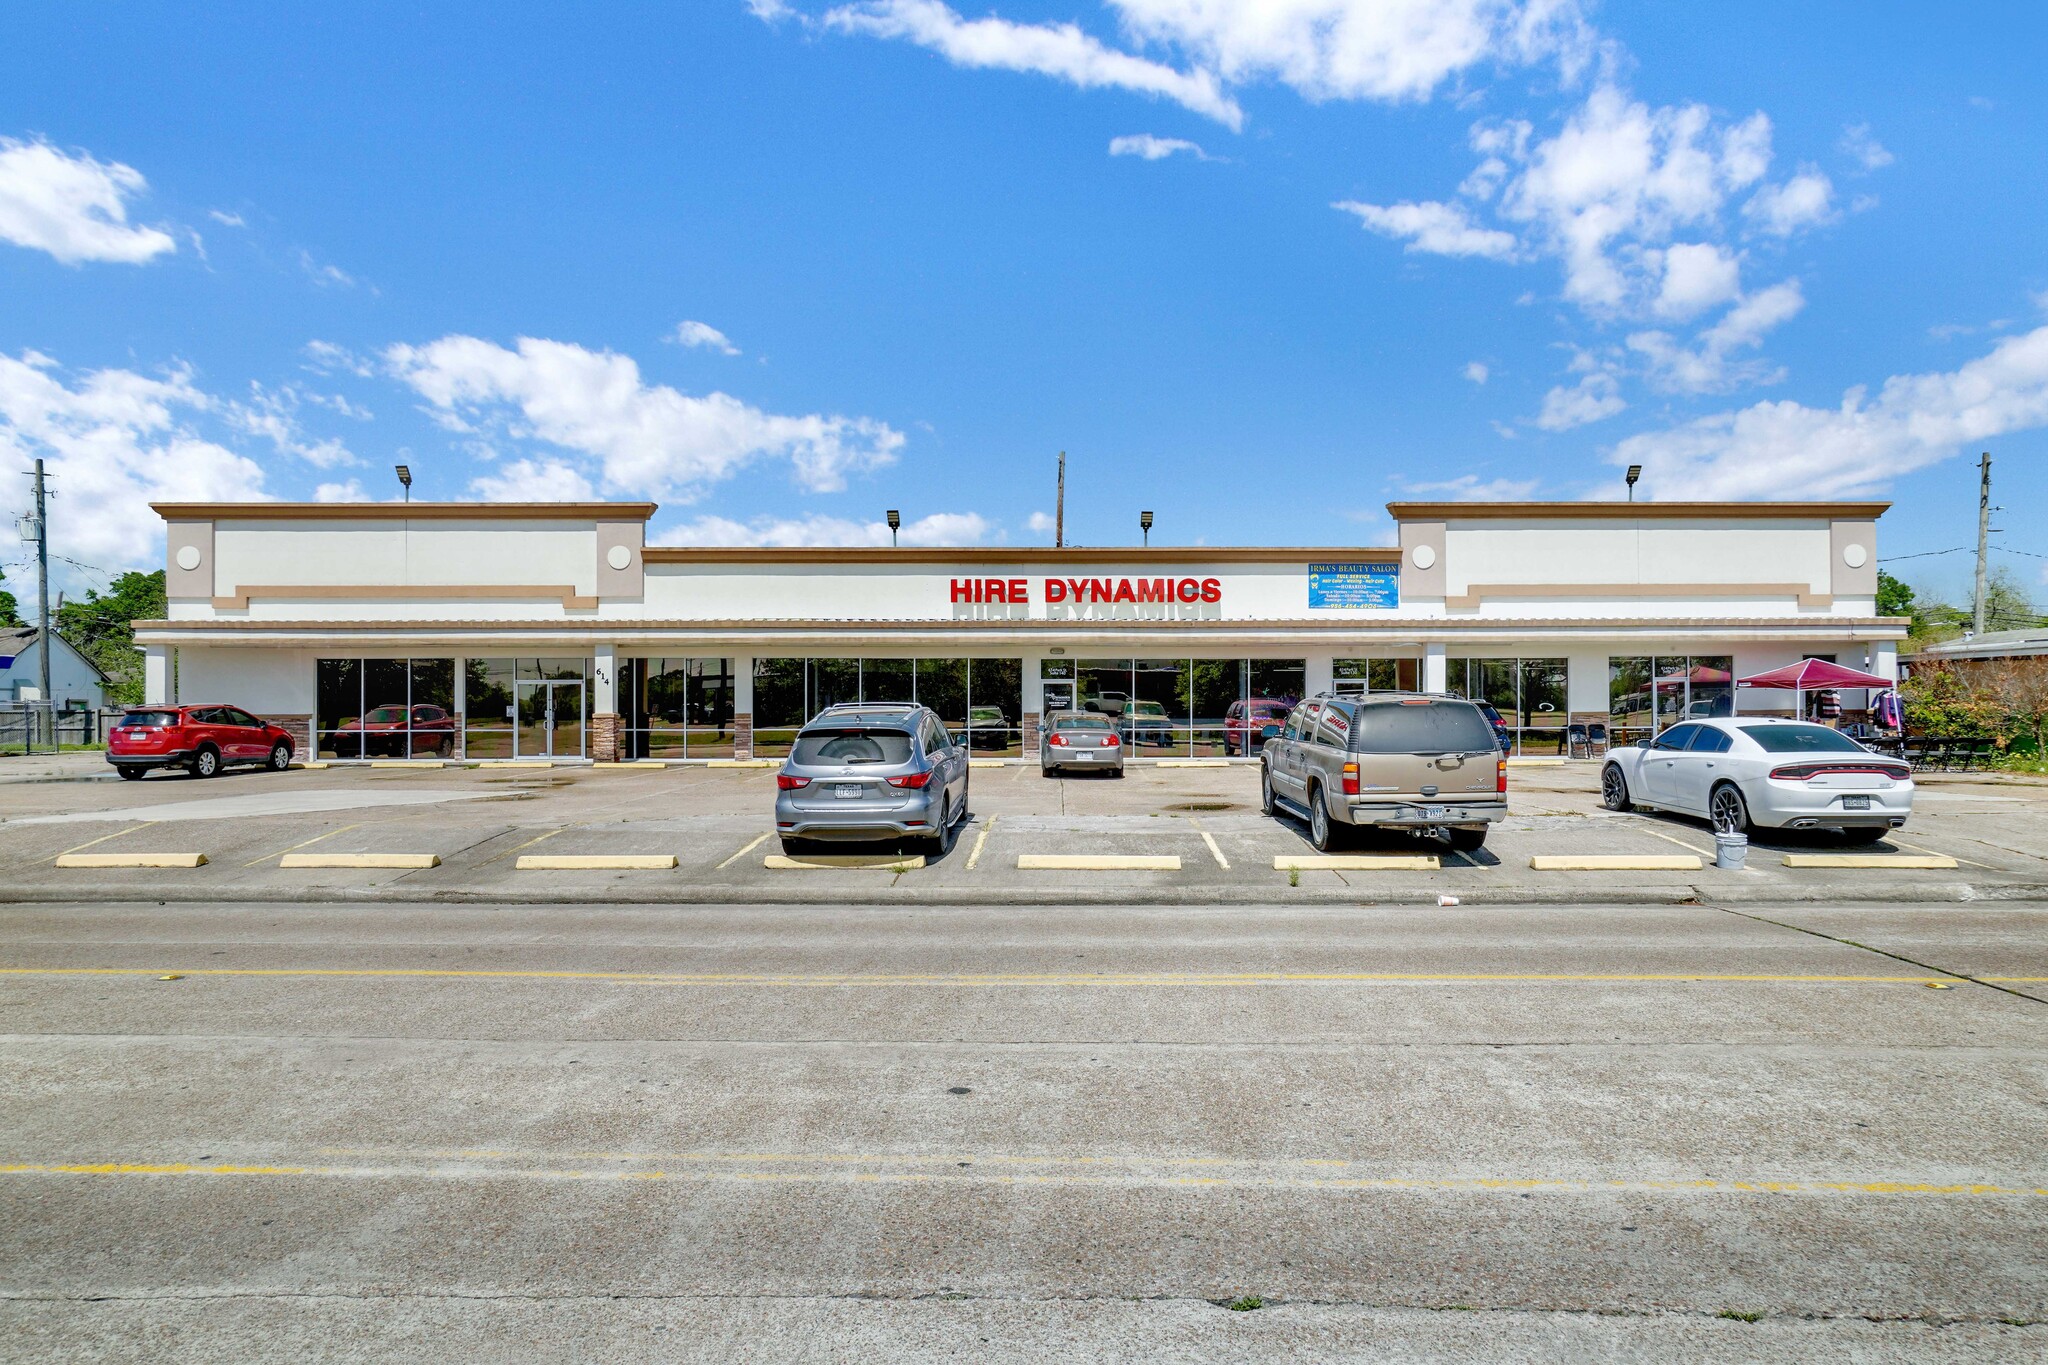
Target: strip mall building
554,631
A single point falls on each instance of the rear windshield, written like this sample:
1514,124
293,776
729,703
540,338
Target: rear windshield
1431,728
1145,708
1081,723
385,715
1802,739
162,718
851,746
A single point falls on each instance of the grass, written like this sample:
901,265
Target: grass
1246,1303
1294,876
1736,1315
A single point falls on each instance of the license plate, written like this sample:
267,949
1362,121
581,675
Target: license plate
1855,803
1435,812
848,791
1084,757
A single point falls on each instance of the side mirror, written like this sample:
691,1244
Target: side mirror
1642,744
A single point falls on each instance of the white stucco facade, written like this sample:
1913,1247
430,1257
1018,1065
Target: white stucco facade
508,617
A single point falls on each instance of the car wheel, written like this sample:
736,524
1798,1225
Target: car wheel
1321,832
1728,811
1267,806
130,772
1614,788
280,757
1468,840
206,763
941,843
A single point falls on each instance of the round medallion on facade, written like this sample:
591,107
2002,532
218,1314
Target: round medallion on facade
188,557
1855,556
618,556
1423,556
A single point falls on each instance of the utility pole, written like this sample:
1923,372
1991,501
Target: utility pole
1983,534
43,588
1059,508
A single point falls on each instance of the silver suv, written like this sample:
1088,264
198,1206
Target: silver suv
871,771
1394,760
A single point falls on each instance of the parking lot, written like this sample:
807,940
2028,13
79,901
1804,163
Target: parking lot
1176,834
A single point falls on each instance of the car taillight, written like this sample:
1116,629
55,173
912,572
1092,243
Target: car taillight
1791,774
1351,779
1501,777
790,784
1109,741
1058,740
911,779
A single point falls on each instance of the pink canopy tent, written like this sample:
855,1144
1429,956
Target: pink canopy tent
1809,674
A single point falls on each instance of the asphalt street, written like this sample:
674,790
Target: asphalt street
316,1130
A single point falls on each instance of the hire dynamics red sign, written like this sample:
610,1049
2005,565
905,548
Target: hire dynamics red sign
1087,591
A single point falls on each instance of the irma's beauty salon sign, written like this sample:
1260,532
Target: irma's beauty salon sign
1087,599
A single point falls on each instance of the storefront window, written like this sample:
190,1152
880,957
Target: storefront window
675,708
1630,716
1530,695
1181,707
995,693
526,708
1646,696
384,708
887,680
778,705
981,698
1353,676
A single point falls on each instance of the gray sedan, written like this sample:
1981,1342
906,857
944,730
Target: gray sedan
1742,772
1080,739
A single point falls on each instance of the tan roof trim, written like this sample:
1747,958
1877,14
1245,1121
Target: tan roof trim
404,511
1164,555
1364,625
405,592
1473,595
1636,511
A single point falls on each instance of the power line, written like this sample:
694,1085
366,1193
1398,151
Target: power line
1924,554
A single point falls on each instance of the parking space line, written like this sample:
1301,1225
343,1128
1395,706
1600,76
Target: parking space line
755,843
516,847
1936,853
296,847
1695,848
1210,840
980,841
79,848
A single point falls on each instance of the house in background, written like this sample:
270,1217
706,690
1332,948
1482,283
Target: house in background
1990,647
75,681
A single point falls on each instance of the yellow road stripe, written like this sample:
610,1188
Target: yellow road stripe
749,848
980,840
1937,853
303,843
981,1168
1658,833
1214,851
528,844
998,978
77,848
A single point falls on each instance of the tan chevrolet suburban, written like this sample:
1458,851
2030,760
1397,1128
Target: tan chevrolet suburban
1419,762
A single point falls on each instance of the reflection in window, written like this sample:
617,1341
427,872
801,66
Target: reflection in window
384,708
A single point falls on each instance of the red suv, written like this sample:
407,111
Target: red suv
396,731
200,739
1249,724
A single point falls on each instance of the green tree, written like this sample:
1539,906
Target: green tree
1894,598
10,611
102,627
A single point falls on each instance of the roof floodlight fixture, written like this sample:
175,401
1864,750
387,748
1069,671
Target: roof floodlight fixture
405,479
1635,471
1145,525
895,525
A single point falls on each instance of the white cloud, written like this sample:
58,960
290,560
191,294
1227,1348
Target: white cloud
1472,488
644,440
273,414
1040,522
74,207
225,218
1387,50
1476,371
1441,229
325,275
1697,276
1869,153
115,441
1594,398
1062,51
349,491
534,481
940,528
1153,148
1804,201
1709,365
1789,450
688,333
770,11
325,357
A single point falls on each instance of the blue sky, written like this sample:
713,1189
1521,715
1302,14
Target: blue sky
1257,265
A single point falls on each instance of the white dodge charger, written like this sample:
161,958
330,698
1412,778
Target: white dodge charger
1774,774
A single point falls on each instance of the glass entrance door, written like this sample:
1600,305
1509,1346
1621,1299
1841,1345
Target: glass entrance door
550,720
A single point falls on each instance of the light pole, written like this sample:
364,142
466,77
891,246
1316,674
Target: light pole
405,480
1145,525
1635,471
895,524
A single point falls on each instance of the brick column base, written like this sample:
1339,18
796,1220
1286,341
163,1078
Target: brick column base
301,732
742,735
604,737
1030,733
